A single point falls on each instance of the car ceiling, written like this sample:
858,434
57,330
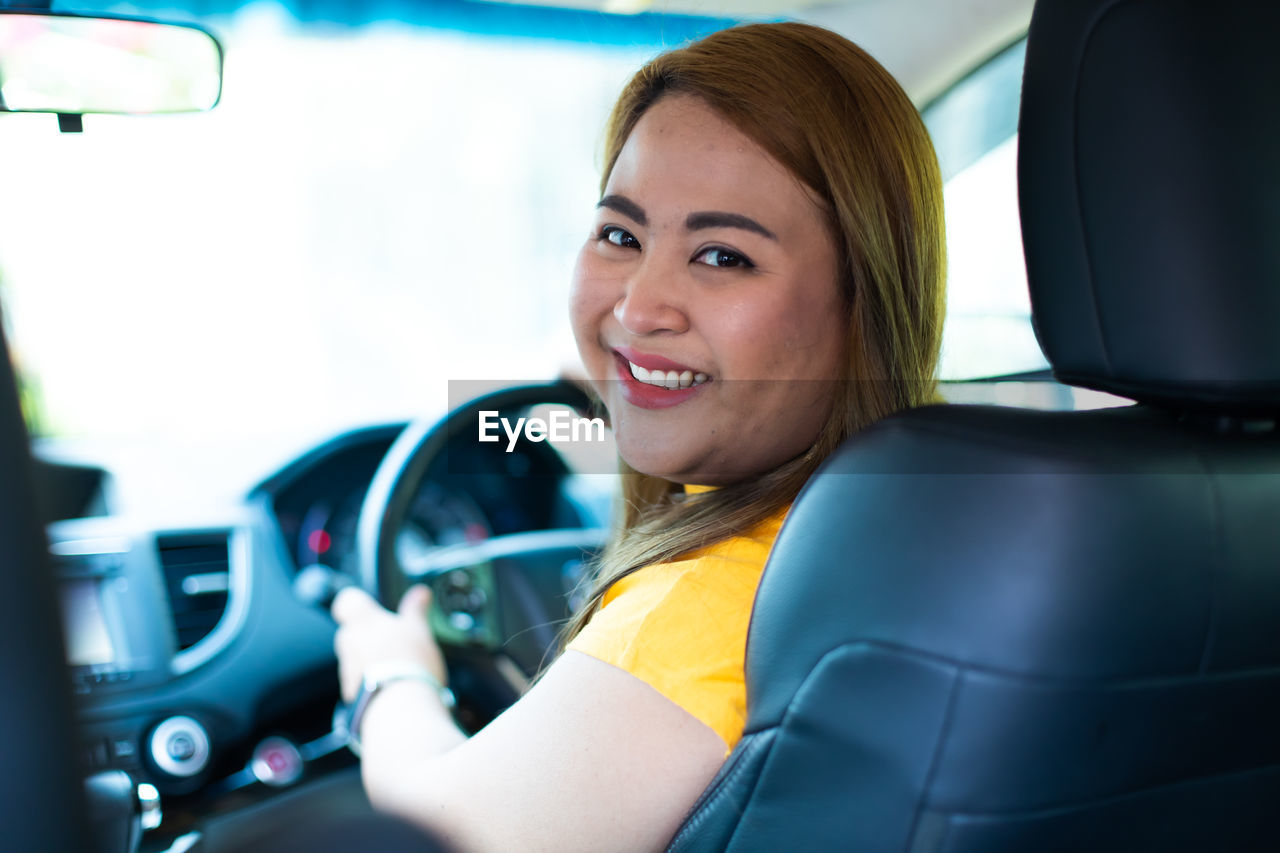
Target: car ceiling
926,44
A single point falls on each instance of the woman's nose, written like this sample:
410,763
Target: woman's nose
652,301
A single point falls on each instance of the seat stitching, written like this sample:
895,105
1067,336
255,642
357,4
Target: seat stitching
1075,173
1270,769
943,731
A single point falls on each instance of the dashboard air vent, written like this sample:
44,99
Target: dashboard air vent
197,575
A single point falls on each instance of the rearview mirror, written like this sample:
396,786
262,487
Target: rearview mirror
73,64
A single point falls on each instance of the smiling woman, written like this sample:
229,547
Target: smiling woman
837,325
764,278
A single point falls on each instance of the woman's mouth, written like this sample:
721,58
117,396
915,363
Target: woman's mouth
668,379
656,382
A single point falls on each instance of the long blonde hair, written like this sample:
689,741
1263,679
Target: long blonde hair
828,112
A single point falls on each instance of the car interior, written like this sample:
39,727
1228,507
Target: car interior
1037,616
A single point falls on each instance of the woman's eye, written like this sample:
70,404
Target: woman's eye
619,237
717,257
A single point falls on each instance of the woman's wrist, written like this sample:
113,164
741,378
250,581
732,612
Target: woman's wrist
404,730
377,679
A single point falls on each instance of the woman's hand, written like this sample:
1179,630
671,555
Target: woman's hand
369,634
591,758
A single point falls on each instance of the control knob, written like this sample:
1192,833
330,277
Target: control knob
180,747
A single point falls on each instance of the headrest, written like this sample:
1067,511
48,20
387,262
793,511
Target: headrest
1149,183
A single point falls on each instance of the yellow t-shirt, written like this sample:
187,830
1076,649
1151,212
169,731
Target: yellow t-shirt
681,627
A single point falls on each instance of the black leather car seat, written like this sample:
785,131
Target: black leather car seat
989,629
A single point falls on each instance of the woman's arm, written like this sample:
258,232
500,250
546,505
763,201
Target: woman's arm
592,758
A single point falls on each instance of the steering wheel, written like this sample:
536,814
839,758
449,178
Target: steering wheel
502,596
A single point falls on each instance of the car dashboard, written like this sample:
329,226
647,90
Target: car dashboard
196,665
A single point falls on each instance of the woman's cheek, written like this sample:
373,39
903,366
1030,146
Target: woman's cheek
589,304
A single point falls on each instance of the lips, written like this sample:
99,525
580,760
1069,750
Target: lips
654,382
652,362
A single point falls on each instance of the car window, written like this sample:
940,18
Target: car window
974,127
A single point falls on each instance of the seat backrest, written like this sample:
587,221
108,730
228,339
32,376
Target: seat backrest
987,629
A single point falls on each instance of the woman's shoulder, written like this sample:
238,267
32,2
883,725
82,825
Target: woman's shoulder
723,565
676,611
682,625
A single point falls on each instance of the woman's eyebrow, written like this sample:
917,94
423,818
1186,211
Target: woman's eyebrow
625,206
718,219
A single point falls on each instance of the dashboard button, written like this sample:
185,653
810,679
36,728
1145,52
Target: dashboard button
179,746
95,755
123,749
462,621
276,762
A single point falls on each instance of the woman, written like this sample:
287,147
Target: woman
763,279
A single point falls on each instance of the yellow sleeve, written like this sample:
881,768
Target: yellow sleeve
681,627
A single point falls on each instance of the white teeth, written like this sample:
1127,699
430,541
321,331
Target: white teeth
667,379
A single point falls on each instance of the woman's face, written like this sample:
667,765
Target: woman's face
705,302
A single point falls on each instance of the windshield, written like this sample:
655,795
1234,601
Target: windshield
370,213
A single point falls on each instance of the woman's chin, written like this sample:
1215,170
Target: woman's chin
658,463
689,467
